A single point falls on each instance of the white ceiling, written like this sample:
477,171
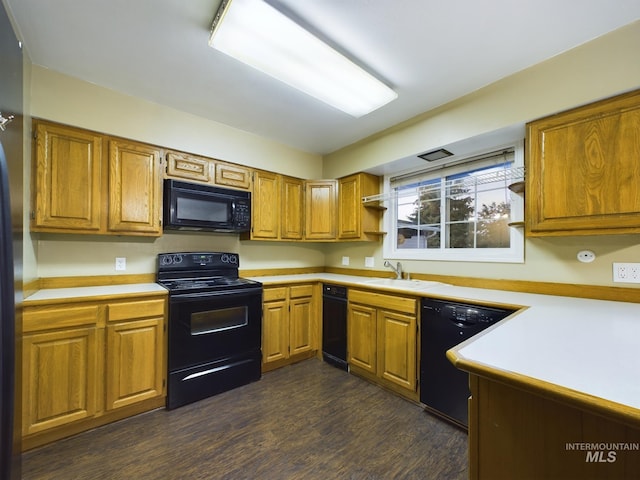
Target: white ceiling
429,51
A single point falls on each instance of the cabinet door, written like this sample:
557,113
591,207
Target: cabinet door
135,366
292,208
275,331
301,325
265,205
233,176
68,179
349,207
583,172
320,210
397,348
134,188
355,221
59,378
362,337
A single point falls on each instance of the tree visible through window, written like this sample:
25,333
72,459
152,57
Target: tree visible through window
468,210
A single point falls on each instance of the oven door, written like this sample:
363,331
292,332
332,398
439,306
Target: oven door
213,326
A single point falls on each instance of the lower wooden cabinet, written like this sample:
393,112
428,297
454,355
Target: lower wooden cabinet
517,432
382,340
88,363
289,325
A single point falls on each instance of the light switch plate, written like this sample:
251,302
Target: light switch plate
121,263
368,262
345,260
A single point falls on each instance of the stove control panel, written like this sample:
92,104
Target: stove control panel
197,260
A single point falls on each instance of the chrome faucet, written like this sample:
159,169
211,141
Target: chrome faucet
397,269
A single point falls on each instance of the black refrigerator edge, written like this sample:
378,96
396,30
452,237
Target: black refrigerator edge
12,207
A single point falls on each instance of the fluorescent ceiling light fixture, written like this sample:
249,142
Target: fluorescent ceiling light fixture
257,34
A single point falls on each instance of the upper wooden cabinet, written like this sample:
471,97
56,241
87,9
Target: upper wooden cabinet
292,211
67,179
135,176
85,182
276,207
583,171
185,166
265,206
357,221
320,209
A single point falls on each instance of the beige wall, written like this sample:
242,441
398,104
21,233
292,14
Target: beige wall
64,99
601,68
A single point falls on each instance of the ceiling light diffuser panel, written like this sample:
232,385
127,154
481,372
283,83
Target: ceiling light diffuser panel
258,35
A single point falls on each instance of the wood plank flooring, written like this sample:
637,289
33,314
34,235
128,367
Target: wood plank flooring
305,421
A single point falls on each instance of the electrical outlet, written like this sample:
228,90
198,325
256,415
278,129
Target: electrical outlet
369,262
626,272
121,263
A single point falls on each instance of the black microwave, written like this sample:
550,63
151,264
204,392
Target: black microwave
191,206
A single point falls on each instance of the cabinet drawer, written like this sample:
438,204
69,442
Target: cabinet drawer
276,293
381,300
298,291
133,310
48,318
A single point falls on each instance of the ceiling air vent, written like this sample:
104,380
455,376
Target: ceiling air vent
435,155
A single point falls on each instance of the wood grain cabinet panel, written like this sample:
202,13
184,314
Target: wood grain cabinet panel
183,166
289,325
59,378
135,367
234,176
357,221
382,340
265,206
68,179
292,209
320,209
134,188
583,172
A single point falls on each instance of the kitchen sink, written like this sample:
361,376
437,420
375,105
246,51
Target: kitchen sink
402,283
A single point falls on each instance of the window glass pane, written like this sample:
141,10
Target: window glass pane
418,215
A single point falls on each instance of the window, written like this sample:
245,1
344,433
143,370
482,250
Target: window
461,212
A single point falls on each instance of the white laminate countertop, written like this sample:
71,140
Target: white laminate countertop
590,346
49,294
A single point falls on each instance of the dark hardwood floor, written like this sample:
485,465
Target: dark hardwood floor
305,421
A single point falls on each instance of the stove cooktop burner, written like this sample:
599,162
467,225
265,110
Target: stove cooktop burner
205,284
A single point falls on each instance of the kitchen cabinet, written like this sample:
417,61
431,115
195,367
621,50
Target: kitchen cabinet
583,171
134,351
358,221
382,340
515,433
185,166
320,209
289,324
60,361
292,213
135,183
68,176
265,206
88,363
277,202
89,183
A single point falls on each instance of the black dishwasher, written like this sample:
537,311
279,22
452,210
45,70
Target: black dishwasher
334,325
444,390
